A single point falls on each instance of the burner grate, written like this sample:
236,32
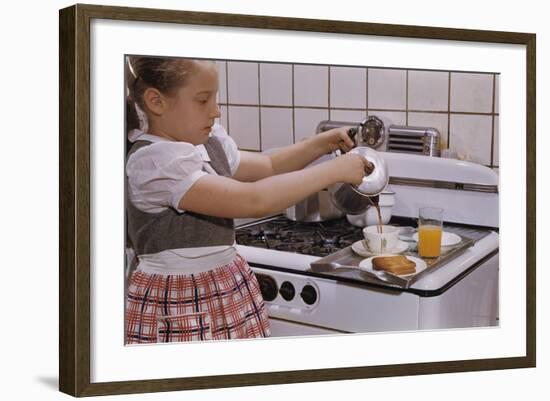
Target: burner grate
316,239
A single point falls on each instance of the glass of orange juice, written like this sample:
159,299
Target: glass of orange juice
430,228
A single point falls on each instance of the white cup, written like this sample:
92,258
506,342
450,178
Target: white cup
381,242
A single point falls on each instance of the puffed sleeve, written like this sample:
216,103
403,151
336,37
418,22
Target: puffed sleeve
229,146
161,173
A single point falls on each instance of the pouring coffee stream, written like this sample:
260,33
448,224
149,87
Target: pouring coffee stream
352,132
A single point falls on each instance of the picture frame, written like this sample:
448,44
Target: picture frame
76,338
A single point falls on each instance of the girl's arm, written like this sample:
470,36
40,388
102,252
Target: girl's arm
225,197
254,166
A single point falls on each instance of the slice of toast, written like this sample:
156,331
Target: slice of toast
397,264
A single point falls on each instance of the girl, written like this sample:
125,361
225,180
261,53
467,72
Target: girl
186,182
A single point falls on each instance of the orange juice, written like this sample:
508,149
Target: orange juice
429,241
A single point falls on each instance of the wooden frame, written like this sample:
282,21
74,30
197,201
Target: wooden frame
74,203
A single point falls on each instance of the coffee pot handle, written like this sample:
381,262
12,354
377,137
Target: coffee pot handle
352,133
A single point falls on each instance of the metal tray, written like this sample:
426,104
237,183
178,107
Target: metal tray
345,263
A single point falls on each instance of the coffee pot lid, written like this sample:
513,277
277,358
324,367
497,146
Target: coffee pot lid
375,182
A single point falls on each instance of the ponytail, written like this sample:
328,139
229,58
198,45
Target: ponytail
132,119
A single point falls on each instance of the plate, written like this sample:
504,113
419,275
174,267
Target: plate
366,265
360,248
447,238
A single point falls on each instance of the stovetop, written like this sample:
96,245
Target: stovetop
316,239
277,233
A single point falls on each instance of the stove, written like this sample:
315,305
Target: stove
463,292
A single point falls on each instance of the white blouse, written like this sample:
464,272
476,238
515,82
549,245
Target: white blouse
160,174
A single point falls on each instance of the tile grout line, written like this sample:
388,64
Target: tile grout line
407,98
259,109
278,106
449,114
367,94
293,108
328,92
493,124
227,95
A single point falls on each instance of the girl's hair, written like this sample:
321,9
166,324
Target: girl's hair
166,75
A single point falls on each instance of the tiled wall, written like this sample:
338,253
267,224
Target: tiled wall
267,105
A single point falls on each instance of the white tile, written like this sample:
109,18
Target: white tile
311,85
471,92
243,83
223,118
387,89
390,117
244,126
496,142
276,84
306,121
355,116
348,87
470,137
276,126
497,93
433,120
428,90
222,79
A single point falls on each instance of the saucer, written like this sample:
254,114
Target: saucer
447,239
360,248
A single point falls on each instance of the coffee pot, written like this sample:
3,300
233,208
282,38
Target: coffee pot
355,199
340,199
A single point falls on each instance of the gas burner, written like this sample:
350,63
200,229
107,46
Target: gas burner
289,247
317,239
258,243
263,232
319,250
343,242
299,236
328,242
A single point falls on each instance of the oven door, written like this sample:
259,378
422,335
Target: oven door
285,328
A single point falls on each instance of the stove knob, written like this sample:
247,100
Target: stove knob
268,287
309,294
287,291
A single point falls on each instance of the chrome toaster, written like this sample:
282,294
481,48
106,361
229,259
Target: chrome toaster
417,140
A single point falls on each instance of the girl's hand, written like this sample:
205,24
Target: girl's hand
352,167
337,138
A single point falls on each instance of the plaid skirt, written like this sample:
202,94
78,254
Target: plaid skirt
223,303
